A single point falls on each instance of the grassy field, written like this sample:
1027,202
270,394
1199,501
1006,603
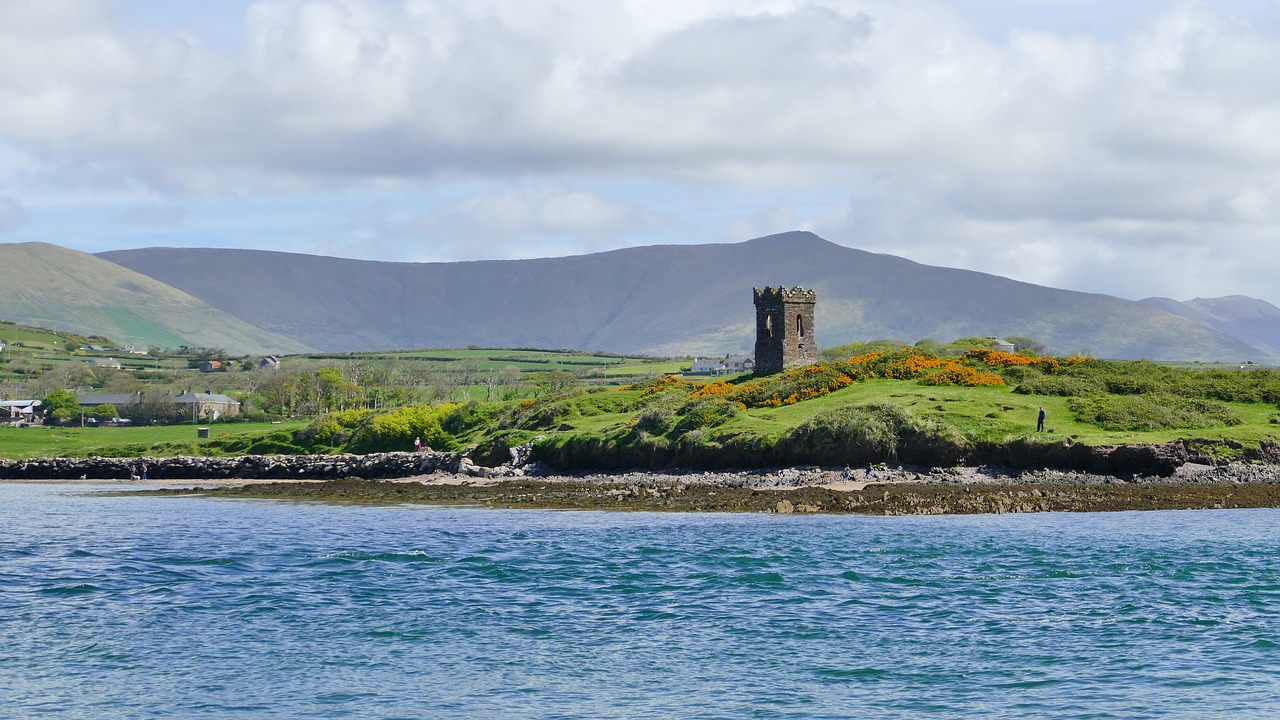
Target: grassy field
813,413
993,414
19,337
486,359
943,409
32,442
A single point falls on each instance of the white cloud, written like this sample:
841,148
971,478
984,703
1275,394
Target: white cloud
12,215
768,221
498,224
1053,151
153,215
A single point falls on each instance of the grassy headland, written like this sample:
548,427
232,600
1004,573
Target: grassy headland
893,405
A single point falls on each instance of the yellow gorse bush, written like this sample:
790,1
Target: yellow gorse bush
814,381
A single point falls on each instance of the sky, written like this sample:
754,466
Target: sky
1127,147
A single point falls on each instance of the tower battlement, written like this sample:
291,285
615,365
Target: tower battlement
796,294
784,328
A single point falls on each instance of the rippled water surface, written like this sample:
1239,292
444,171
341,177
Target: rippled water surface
190,607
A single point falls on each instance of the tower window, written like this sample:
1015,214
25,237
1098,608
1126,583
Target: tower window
768,325
800,325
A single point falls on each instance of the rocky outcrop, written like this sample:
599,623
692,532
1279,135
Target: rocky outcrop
295,467
635,493
1124,461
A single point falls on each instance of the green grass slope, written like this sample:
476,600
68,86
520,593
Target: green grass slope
896,408
54,287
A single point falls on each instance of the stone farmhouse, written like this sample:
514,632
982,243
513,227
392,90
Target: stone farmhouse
207,405
196,406
20,411
120,401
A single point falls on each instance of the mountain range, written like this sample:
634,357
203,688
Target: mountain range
662,300
1247,319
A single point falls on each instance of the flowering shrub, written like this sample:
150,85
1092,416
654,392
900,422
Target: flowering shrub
814,381
956,374
666,382
995,358
912,365
715,387
797,384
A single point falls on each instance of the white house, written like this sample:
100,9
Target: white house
728,365
707,366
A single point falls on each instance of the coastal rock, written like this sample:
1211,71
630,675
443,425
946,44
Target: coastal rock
1161,459
304,467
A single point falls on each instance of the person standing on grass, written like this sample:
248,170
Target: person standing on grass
1040,420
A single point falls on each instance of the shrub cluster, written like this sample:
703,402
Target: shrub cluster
961,375
1060,386
919,364
707,412
996,358
814,381
541,414
1156,411
875,432
396,430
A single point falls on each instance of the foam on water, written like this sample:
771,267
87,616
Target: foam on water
192,607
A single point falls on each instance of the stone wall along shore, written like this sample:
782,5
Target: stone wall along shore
282,467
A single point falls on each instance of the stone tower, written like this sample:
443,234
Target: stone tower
784,328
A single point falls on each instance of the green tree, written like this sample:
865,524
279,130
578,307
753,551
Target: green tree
551,381
396,430
1026,345
61,405
105,413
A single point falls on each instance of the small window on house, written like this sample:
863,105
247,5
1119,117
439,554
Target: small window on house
800,325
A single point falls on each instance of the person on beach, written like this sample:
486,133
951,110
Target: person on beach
144,471
1040,420
417,444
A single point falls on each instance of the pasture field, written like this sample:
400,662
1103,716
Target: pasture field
48,441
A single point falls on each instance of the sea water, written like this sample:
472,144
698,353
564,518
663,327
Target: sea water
191,607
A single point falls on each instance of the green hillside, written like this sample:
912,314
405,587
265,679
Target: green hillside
67,290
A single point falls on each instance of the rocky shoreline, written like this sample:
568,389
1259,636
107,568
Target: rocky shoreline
639,493
298,467
867,491
452,479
